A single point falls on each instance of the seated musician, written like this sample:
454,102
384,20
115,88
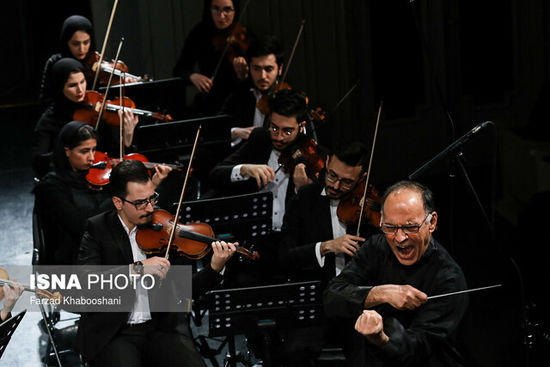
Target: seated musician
76,41
69,91
385,288
139,337
12,292
315,244
203,51
255,166
265,57
65,199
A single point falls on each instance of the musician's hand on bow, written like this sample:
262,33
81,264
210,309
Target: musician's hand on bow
203,83
241,67
161,172
156,265
262,173
130,122
347,244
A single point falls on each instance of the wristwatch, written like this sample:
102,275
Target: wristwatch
138,267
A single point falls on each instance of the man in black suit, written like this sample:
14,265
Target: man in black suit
315,243
255,166
265,57
314,240
139,337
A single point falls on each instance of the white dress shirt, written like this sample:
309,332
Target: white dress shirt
338,230
142,299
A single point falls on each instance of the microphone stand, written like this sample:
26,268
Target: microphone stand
454,152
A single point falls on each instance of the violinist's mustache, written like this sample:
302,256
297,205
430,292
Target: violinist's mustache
148,216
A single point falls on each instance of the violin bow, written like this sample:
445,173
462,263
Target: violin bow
177,215
108,85
300,31
113,11
345,97
368,170
227,44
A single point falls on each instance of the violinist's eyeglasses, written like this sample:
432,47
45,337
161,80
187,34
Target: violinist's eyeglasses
142,204
407,229
287,131
226,10
345,183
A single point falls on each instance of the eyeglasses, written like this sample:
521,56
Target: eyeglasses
287,131
345,183
226,10
142,204
408,229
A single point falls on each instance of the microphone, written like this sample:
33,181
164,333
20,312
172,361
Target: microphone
457,144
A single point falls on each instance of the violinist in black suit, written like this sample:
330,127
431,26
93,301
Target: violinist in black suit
314,240
139,337
315,244
265,57
255,166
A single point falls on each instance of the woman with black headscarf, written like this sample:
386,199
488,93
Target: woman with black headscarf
69,90
76,41
202,51
64,199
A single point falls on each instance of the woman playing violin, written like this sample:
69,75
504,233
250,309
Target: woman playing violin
65,200
77,42
203,50
69,88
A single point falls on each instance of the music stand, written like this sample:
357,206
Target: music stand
7,328
264,309
177,136
247,218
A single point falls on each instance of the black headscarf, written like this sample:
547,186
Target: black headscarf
70,25
61,71
62,167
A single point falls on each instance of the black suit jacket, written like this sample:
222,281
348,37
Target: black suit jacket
255,151
307,221
106,243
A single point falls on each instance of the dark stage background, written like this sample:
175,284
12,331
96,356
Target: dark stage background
441,67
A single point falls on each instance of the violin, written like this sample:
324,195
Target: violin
350,206
236,44
92,106
263,102
363,201
191,240
100,171
5,279
305,152
237,40
120,70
